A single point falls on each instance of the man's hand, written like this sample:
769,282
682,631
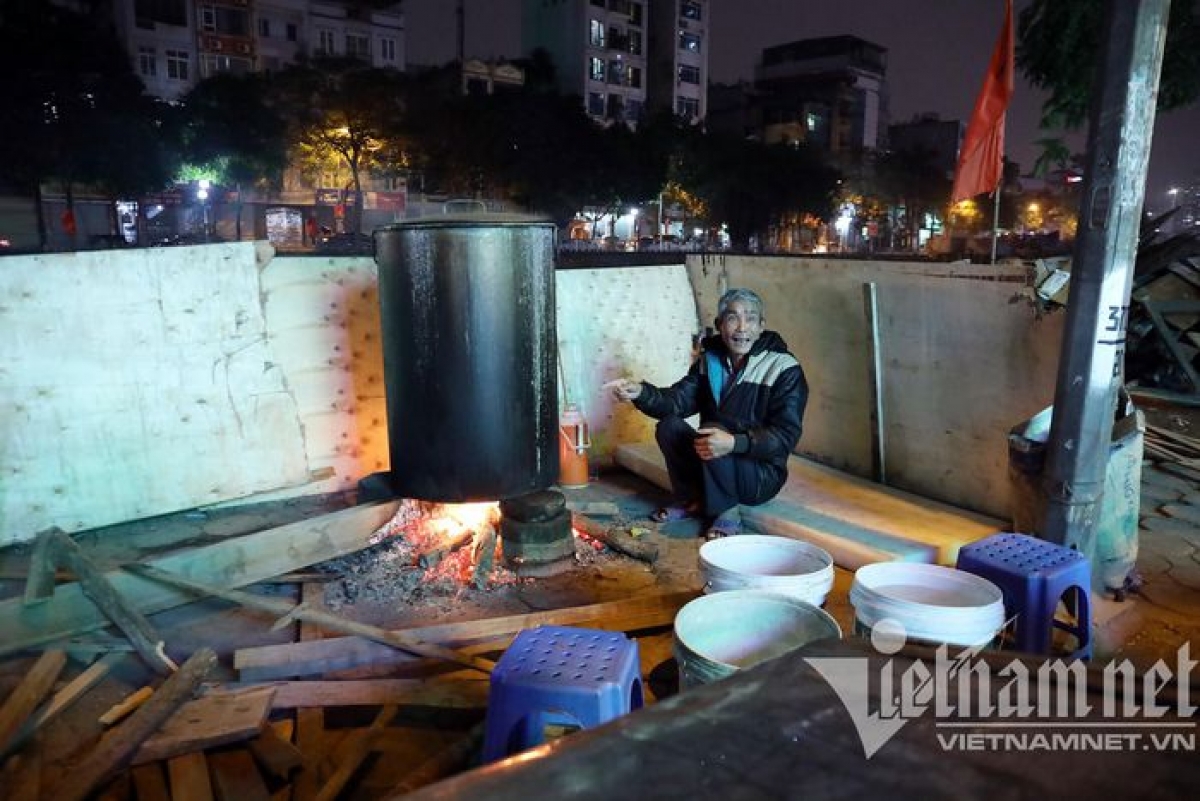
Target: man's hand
626,389
713,443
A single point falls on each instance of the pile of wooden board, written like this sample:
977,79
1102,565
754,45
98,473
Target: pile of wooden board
301,720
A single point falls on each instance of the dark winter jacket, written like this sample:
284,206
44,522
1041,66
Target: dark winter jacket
764,409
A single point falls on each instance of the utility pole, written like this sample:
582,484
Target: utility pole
1091,364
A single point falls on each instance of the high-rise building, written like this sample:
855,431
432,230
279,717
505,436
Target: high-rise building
830,91
174,44
623,56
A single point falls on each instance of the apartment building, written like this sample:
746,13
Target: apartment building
176,43
830,91
623,57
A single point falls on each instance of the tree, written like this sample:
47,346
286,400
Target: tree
230,130
912,178
1058,43
72,110
749,186
341,112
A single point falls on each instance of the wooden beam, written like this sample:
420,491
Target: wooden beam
235,777
317,657
19,705
462,692
115,607
150,783
188,775
68,695
216,718
39,581
318,618
234,562
118,746
275,755
310,722
357,751
616,538
445,762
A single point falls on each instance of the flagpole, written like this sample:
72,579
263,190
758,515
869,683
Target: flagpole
996,218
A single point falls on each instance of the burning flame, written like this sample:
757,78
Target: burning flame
452,518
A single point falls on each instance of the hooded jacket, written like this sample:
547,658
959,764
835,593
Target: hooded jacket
763,408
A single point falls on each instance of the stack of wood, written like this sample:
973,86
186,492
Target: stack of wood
1164,445
300,720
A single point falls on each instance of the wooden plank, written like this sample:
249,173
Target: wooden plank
357,751
150,783
21,703
322,656
217,718
310,722
124,708
21,774
441,764
274,754
117,747
68,695
188,775
234,562
115,606
466,690
864,521
235,777
39,581
318,618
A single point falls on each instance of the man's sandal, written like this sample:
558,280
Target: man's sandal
723,527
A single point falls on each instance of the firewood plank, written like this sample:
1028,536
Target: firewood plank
316,657
21,703
217,718
234,562
441,764
21,774
189,778
118,746
457,693
235,777
150,783
68,695
361,744
274,754
310,722
324,620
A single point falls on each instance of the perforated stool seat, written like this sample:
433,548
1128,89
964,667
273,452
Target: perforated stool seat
1034,575
559,676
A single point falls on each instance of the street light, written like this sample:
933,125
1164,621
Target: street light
202,196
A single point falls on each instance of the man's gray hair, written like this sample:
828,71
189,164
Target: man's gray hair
746,296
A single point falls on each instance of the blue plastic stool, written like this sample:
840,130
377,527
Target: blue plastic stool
1034,575
555,675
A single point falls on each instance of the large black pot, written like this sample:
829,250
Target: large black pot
469,353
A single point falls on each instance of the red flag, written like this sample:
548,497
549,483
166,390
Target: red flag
981,160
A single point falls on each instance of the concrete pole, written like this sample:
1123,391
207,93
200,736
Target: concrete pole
1091,364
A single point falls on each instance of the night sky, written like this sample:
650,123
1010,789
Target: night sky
937,53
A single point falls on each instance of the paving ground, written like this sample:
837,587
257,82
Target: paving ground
1150,623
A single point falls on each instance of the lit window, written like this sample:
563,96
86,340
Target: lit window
634,77
177,65
596,68
635,43
689,42
147,62
811,121
690,9
597,33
